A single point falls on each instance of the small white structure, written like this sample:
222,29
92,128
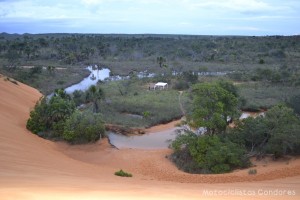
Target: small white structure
161,85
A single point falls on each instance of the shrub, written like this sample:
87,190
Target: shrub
181,85
37,123
207,154
277,133
83,127
49,115
123,173
261,61
252,171
294,102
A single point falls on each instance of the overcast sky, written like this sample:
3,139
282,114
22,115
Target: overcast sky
196,17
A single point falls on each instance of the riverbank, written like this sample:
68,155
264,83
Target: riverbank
34,168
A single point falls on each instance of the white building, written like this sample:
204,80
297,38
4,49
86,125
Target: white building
161,85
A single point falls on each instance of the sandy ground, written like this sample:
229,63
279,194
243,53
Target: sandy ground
33,168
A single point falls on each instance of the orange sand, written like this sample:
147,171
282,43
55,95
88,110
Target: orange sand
34,168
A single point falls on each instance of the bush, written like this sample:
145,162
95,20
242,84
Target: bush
181,85
277,133
261,61
37,122
123,174
207,154
294,102
83,127
47,113
252,171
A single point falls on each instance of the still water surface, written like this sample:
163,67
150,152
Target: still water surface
92,79
158,140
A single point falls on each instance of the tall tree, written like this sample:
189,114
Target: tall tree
212,106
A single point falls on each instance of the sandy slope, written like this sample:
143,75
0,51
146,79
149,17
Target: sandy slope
33,168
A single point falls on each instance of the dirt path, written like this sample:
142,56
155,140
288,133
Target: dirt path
34,168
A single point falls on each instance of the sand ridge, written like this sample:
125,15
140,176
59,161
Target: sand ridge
34,168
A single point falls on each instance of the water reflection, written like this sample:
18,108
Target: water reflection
95,76
158,140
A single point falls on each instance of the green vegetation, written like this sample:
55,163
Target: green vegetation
220,149
94,95
252,171
123,173
258,95
277,133
63,57
130,103
48,117
57,118
213,104
207,154
294,102
83,127
44,80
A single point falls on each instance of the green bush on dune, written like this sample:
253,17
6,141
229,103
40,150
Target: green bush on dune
56,118
83,127
123,173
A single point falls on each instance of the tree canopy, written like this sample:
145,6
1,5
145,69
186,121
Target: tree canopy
213,104
58,118
277,133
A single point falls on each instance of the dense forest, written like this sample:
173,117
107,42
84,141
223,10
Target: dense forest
270,58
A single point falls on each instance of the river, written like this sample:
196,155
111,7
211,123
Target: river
95,76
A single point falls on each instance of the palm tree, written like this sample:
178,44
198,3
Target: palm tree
95,95
62,93
161,61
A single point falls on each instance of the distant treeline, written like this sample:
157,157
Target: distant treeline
96,48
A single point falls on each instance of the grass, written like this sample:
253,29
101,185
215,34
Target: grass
153,107
123,173
45,81
260,95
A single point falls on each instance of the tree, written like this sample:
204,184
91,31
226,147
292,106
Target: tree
284,130
51,69
252,133
12,57
95,94
161,61
294,102
50,115
28,51
277,133
62,94
212,106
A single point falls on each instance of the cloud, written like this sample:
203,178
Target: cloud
91,2
154,16
244,28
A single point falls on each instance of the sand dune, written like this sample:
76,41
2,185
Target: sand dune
34,168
